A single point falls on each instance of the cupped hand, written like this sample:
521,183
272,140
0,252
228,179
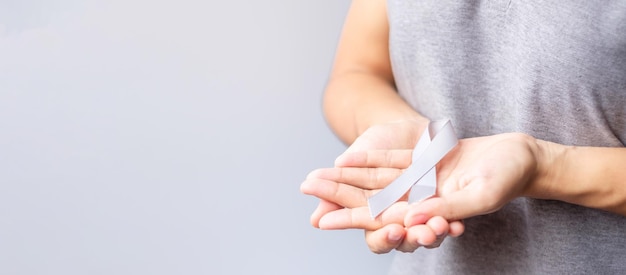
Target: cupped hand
349,188
344,190
481,175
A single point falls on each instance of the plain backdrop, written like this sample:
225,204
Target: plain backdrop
167,137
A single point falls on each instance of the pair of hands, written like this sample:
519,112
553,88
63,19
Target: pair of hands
479,176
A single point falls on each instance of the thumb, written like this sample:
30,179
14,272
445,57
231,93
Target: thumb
464,203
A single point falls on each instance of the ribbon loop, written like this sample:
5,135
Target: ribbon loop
421,176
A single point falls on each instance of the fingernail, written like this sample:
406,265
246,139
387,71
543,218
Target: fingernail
394,236
420,243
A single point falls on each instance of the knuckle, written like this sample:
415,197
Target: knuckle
368,160
388,158
373,178
340,174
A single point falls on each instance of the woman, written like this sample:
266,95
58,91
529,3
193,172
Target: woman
537,94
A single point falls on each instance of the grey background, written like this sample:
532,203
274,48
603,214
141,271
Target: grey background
167,137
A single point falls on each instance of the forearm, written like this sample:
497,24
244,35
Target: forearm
361,91
356,100
593,177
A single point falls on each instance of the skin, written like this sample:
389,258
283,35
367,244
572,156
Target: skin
353,191
478,177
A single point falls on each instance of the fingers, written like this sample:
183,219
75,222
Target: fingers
385,239
347,195
395,236
455,206
340,194
456,229
440,227
429,235
367,178
322,208
360,218
417,236
375,158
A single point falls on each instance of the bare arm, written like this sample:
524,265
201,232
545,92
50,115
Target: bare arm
361,93
361,90
360,101
594,177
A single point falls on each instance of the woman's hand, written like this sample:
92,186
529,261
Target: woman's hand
347,186
479,176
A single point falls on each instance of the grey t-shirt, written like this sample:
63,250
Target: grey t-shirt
553,69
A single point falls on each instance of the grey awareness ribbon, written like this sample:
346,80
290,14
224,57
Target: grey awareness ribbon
421,176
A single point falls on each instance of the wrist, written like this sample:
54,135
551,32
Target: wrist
587,176
551,165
